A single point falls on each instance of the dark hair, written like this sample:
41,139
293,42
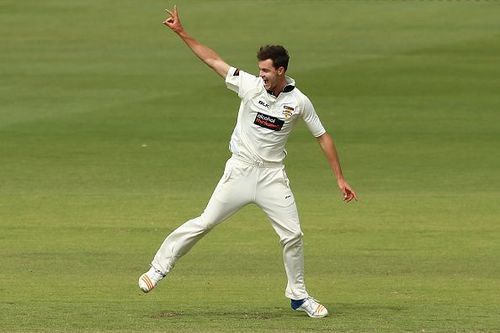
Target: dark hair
277,53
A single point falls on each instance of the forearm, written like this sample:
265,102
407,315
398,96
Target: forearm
330,151
205,54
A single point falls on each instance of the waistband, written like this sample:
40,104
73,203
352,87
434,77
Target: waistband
258,164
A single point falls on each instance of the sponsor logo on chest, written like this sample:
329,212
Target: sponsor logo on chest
269,122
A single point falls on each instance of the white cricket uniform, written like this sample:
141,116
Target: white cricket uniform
255,174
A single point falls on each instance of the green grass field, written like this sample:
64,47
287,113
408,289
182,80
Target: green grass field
112,134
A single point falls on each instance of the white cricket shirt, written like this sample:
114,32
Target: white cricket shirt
265,121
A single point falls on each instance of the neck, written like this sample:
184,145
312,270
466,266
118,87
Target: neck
279,87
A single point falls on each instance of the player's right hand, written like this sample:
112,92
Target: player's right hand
173,21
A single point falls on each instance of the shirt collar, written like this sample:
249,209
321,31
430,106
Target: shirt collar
290,85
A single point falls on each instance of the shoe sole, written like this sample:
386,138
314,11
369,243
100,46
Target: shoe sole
319,308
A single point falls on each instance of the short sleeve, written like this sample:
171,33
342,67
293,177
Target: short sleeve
241,82
311,119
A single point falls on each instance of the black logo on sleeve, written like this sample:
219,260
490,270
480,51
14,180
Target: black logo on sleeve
269,122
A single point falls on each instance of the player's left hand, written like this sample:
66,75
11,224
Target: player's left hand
347,191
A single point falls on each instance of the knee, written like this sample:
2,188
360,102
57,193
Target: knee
292,238
207,222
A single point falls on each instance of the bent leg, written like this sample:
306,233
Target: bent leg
228,197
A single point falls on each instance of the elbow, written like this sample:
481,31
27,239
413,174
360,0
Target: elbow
324,138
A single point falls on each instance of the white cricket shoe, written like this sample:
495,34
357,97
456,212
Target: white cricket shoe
150,279
313,308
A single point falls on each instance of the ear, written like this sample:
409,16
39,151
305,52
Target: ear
281,70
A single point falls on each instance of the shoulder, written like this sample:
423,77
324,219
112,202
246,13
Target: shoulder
241,81
237,74
302,99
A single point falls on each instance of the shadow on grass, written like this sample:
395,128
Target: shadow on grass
354,309
252,315
342,309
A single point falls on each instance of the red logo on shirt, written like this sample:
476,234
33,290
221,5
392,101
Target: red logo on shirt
269,122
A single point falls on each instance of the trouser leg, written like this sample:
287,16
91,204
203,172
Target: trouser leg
228,197
275,197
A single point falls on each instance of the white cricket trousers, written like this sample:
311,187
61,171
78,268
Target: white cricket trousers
243,183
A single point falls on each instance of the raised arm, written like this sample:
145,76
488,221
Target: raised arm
206,54
328,147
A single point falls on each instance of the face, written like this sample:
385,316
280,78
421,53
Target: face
272,76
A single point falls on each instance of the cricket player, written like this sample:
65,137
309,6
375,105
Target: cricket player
270,106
